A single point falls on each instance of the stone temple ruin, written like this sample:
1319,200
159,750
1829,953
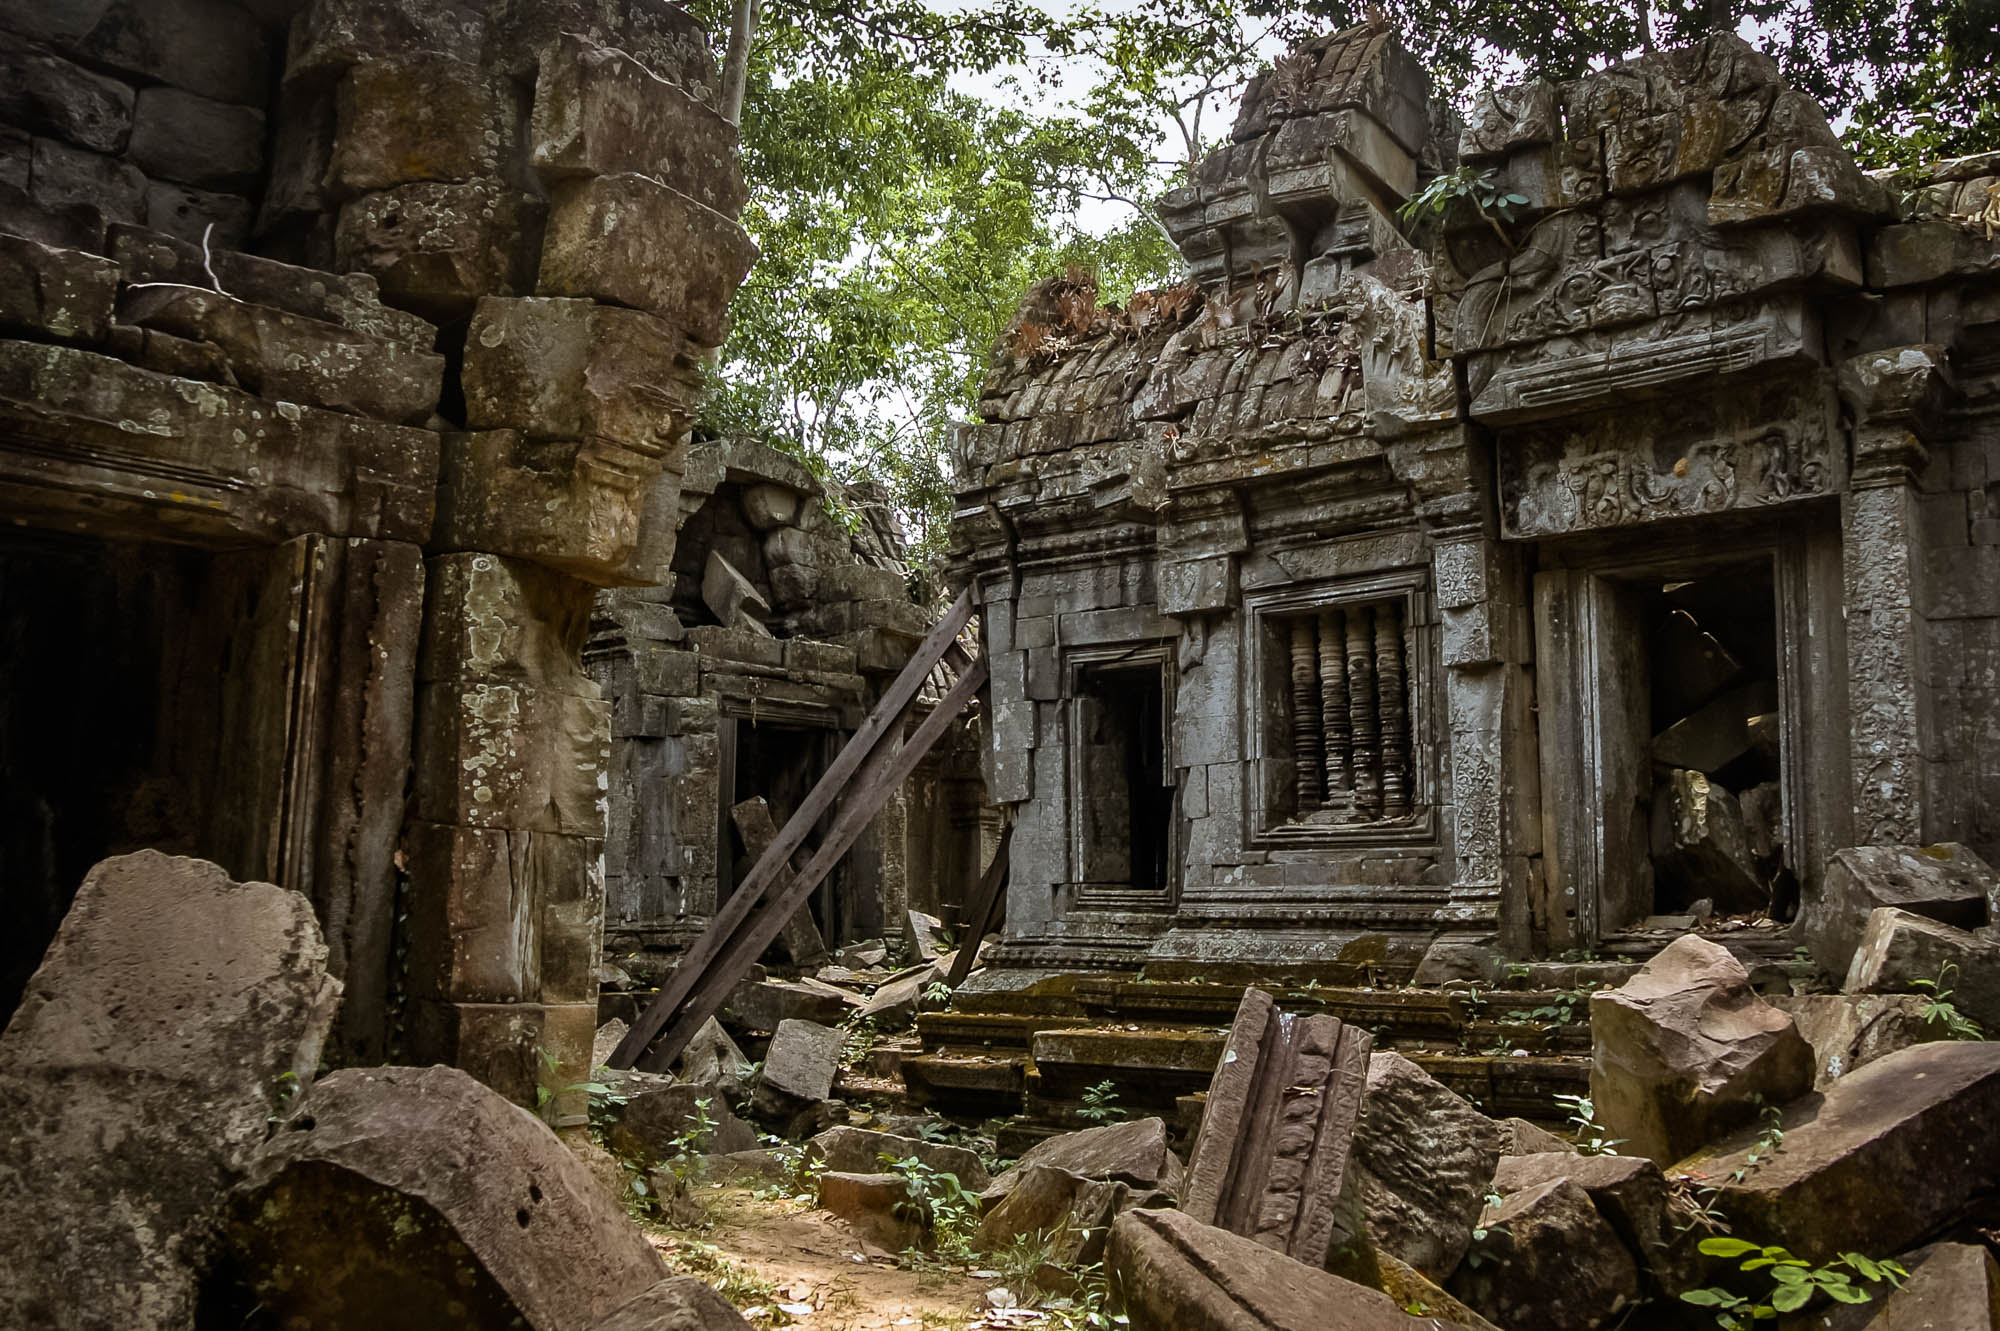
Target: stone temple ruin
1620,558
1415,668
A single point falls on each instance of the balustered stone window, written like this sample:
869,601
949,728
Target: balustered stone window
1340,749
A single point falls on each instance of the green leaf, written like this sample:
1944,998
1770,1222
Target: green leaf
1791,1298
1710,1298
1723,1246
1849,1294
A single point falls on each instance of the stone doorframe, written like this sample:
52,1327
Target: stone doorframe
1588,684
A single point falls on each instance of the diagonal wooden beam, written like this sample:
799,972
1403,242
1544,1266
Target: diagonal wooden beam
881,723
985,912
886,771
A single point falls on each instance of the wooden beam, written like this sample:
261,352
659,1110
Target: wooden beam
985,911
730,914
857,808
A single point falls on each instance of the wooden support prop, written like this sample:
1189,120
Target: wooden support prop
985,912
883,722
1271,1159
885,771
801,935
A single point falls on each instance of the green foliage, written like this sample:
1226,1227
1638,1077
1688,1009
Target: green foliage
1100,1103
1476,1256
1592,1137
705,1262
1769,1142
937,994
1028,1267
938,1204
1786,1284
1463,194
1941,1012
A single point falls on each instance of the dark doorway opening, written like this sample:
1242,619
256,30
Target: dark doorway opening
1125,803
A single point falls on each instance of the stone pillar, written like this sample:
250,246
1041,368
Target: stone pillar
1893,394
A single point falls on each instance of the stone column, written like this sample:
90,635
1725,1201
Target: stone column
1893,394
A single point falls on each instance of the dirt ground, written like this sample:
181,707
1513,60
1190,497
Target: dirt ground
785,1264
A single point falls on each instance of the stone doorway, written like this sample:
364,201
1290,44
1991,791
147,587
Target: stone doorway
1124,824
1668,692
781,762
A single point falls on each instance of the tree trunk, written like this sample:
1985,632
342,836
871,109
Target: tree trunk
736,65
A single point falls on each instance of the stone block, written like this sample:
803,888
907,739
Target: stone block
472,933
1700,848
1887,1156
494,619
770,506
1178,1274
317,471
654,1120
873,1205
1710,738
1072,1215
853,1150
1423,1156
574,505
1630,1193
600,112
1553,1263
196,141
513,756
65,177
349,299
800,1065
1848,1031
1899,948
729,595
894,1005
764,1005
498,1043
331,35
419,117
138,1077
54,293
683,1303
668,673
1952,1287
44,94
1947,882
472,1213
605,238
198,215
863,582
1134,1152
1685,1051
288,358
665,38
719,645
204,46
437,247
570,369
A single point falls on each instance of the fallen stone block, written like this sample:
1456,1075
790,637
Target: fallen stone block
1072,1215
662,1123
799,1066
758,1166
725,592
760,1005
166,1022
418,1197
851,1150
1135,1152
1946,882
1848,1031
1881,1160
1449,960
1899,948
1178,1274
1549,1261
875,1206
712,1059
925,935
1699,846
1271,1161
1685,1051
1709,738
1527,1139
1631,1194
1424,1157
895,1003
1955,1287
680,1303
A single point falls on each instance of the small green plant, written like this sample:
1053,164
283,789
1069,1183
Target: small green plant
1592,1137
860,1038
705,1261
1467,190
1100,1103
1769,1142
937,994
1941,1012
1476,1256
1787,1284
938,1204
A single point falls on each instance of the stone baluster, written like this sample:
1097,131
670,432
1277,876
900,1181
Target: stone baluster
1338,731
1362,714
1306,748
1393,709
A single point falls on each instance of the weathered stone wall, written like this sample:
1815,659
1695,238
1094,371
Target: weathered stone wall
1381,510
443,403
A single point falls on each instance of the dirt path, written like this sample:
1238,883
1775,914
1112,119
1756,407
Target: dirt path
803,1268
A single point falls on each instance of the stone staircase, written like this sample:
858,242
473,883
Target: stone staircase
1027,1053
